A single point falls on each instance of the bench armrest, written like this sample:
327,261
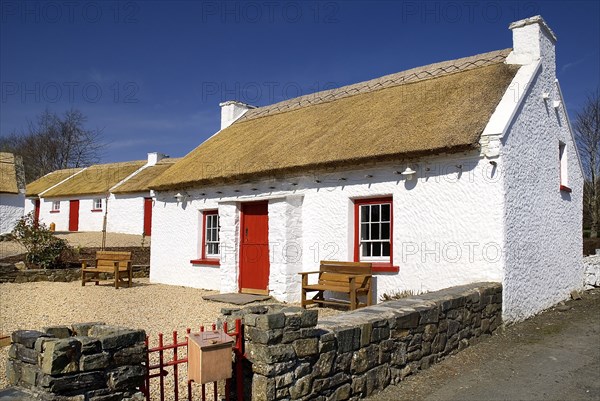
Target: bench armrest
306,273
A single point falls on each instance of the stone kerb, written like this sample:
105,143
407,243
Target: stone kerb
84,362
355,354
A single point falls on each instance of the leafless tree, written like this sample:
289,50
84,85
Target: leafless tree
54,142
587,130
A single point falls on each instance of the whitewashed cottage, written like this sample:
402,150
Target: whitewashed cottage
84,199
456,172
12,191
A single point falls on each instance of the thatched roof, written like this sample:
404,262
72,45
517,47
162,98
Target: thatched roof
140,181
442,107
8,174
96,179
49,180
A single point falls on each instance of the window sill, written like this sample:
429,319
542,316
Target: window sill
54,211
212,262
384,268
96,210
565,188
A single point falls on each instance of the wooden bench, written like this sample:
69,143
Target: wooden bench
352,278
108,262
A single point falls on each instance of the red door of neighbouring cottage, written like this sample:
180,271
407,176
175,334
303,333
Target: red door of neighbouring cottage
148,216
74,215
36,213
254,256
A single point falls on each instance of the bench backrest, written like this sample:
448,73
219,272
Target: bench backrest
107,258
336,273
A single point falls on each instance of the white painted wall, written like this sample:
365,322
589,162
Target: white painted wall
447,227
542,224
126,213
11,210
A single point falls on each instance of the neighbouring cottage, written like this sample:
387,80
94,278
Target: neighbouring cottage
453,173
12,191
84,199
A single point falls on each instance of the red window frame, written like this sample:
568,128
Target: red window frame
376,266
204,260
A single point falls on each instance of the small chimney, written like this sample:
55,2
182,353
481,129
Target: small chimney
532,40
231,111
155,157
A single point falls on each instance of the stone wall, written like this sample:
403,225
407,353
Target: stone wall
84,362
10,274
591,265
356,354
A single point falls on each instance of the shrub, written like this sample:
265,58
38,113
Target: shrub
399,295
44,249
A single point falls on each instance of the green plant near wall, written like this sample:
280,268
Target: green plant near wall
44,249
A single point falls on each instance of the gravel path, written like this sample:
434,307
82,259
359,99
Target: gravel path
152,307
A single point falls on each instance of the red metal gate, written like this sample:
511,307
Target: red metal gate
158,362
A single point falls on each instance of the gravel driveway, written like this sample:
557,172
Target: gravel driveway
552,356
152,307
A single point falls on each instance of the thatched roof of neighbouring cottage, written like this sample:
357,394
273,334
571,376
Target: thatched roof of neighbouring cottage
49,180
8,174
140,182
96,179
438,108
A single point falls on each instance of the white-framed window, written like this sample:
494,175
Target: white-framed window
210,246
374,230
98,204
563,167
56,206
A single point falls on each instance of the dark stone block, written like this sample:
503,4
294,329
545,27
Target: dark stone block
409,320
89,345
61,356
309,318
58,331
306,347
73,384
130,356
348,339
82,329
94,361
112,337
24,354
270,321
27,337
126,377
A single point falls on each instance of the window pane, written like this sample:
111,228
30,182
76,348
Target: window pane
385,230
375,212
376,249
364,213
364,232
375,230
385,212
386,249
366,249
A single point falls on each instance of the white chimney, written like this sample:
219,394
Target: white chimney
155,157
231,111
532,40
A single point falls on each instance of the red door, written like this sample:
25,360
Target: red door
74,215
254,255
148,216
36,213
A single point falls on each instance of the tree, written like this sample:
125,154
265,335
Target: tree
54,142
587,131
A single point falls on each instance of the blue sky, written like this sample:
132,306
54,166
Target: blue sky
151,74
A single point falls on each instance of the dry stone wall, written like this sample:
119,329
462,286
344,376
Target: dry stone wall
9,273
84,362
356,354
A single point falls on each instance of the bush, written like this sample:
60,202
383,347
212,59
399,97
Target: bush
44,249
